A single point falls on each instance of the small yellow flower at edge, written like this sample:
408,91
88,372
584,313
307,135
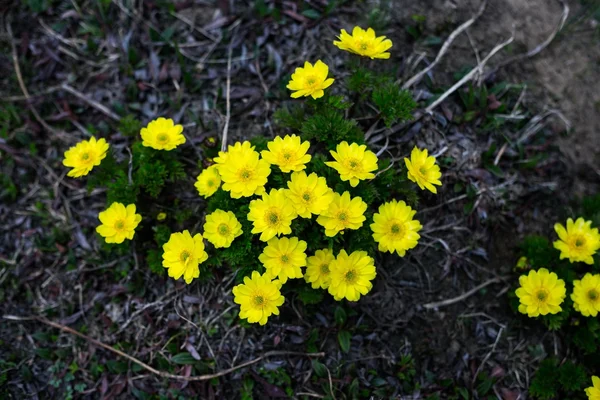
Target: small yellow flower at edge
182,255
258,297
310,80
593,392
586,295
221,228
394,228
289,153
317,272
208,181
364,43
283,258
423,170
84,156
540,293
353,162
162,134
578,242
351,275
118,223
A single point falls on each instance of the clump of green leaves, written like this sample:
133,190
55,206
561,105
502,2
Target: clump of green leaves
558,381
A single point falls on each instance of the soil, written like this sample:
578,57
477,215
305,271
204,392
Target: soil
466,242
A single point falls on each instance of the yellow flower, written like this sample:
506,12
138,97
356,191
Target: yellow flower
162,134
310,80
343,213
84,156
161,216
593,392
540,293
364,43
241,170
272,215
221,228
208,182
522,263
182,255
317,272
423,170
118,223
586,295
309,194
579,242
258,298
394,227
353,162
288,153
283,258
351,275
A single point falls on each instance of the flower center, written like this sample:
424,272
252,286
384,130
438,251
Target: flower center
423,171
287,156
162,137
245,175
325,268
311,81
223,229
397,230
579,242
350,276
285,259
185,256
85,156
593,295
259,301
119,225
354,164
272,217
210,183
343,217
363,46
306,196
542,295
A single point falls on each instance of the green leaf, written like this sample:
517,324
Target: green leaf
344,340
544,384
312,14
572,376
340,316
319,368
183,358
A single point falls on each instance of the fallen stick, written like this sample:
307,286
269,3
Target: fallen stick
469,76
463,296
147,367
445,46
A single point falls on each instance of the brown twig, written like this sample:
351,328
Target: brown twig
147,367
227,99
103,109
445,46
477,70
463,296
15,58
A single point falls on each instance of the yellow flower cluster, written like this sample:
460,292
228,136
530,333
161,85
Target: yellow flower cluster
542,292
244,173
311,80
